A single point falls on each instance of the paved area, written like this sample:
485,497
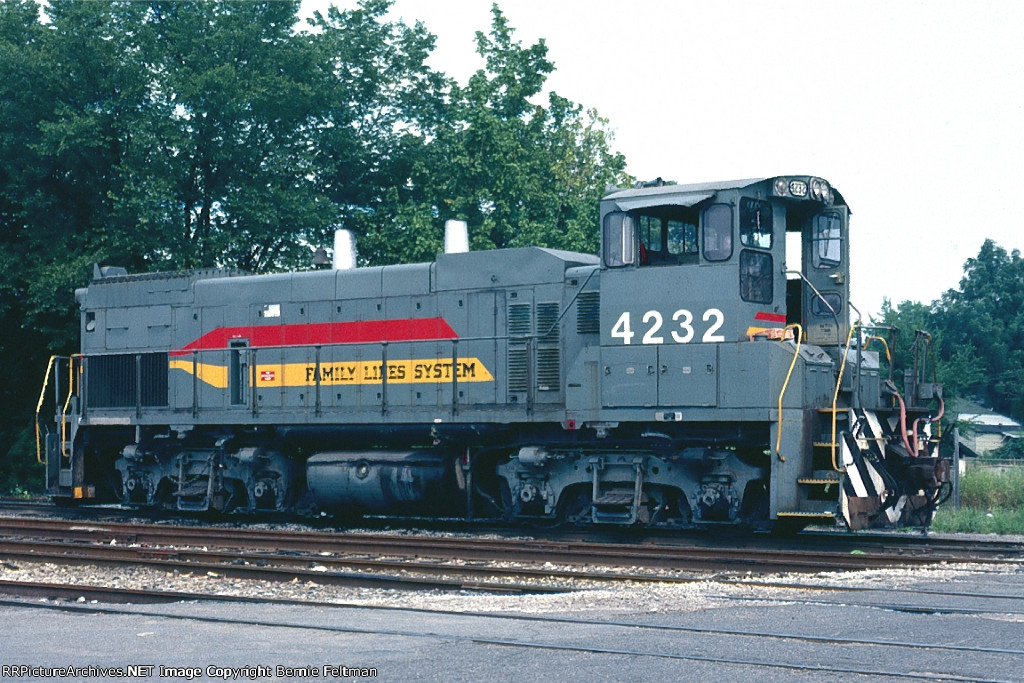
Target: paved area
713,639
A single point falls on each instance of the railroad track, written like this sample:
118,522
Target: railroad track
326,554
460,562
953,548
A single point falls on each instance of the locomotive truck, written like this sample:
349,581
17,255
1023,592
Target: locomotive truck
694,373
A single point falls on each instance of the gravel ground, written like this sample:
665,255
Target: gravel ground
580,596
704,591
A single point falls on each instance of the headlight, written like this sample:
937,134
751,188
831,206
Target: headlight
780,186
815,188
820,190
798,188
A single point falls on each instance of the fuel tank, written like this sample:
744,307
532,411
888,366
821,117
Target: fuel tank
379,480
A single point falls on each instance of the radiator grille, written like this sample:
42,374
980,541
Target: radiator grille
114,381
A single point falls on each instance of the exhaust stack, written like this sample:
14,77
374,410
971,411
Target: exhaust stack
456,237
344,250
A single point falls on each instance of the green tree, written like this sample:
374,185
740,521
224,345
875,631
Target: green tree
900,328
234,107
380,105
519,172
25,100
162,134
72,133
978,331
982,327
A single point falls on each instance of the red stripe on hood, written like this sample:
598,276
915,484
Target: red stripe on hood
362,332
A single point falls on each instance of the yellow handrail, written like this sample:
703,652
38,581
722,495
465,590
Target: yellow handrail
67,404
39,407
835,397
888,356
785,383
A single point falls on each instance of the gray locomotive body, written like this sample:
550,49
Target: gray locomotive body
679,378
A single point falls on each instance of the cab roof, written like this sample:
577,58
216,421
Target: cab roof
690,194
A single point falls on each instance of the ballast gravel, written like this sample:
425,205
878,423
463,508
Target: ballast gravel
581,596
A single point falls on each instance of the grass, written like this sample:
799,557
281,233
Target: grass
991,502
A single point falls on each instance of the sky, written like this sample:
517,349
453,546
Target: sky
913,110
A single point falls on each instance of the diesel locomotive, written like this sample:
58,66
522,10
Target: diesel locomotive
704,369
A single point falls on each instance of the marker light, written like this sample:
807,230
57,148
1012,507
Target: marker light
781,186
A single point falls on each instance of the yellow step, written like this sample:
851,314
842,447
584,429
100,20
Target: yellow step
809,515
815,481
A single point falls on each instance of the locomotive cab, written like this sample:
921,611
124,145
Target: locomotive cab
715,298
780,246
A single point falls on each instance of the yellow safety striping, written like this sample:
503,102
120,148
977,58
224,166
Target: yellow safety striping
409,371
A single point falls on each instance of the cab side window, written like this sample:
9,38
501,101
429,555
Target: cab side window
826,241
619,232
717,232
755,223
757,281
650,239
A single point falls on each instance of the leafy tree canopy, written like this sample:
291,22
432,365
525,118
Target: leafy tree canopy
162,135
978,330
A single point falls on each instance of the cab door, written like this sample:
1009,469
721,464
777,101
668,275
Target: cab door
827,268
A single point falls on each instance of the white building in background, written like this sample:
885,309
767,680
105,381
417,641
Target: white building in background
986,432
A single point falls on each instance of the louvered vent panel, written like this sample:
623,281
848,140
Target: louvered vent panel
548,360
518,320
520,324
547,322
548,369
518,368
588,313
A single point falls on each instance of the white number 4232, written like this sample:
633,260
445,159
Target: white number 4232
681,328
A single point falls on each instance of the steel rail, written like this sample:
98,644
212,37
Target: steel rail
893,543
108,555
476,549
45,550
221,563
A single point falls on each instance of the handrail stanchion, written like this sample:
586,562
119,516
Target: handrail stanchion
316,378
195,384
252,381
455,377
384,378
